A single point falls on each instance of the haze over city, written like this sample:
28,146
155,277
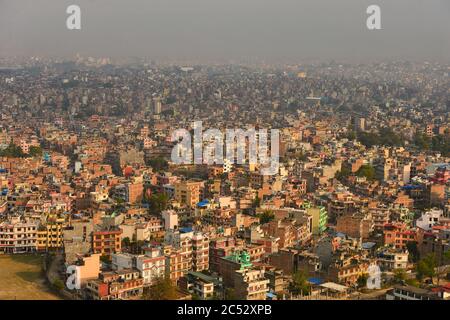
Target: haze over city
274,31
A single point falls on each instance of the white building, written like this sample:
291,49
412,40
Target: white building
122,261
151,266
170,219
429,219
17,236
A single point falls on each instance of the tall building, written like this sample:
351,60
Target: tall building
319,219
188,193
157,105
151,266
360,124
50,235
200,252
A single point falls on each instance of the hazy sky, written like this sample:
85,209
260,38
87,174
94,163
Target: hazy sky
274,30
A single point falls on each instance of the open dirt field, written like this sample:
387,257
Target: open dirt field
21,278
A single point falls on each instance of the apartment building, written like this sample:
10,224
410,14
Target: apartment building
188,193
50,235
18,236
398,235
250,284
204,286
355,225
107,242
390,259
200,252
151,266
219,248
117,285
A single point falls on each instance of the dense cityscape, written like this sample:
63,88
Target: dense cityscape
359,207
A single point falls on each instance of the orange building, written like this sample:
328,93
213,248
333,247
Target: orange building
398,235
107,242
188,193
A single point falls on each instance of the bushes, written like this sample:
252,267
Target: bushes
58,285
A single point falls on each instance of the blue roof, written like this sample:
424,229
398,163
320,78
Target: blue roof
185,230
368,245
316,281
271,295
411,187
203,203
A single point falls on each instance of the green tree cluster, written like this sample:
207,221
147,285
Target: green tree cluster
158,202
299,284
158,163
439,143
366,171
385,137
14,151
426,268
266,216
162,289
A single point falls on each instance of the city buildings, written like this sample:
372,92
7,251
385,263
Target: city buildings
87,177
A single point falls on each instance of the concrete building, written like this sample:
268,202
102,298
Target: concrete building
188,193
107,242
250,284
170,218
17,236
429,219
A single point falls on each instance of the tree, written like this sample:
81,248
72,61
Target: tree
366,171
301,156
266,217
158,163
343,174
230,294
195,296
412,282
386,137
447,257
35,151
105,259
12,151
441,143
351,135
158,202
362,280
162,289
299,284
426,268
58,284
413,251
422,141
400,275
442,271
126,242
256,202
